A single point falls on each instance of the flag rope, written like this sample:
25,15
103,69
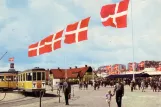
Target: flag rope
133,50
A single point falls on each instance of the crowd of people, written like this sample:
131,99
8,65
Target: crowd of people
140,83
154,83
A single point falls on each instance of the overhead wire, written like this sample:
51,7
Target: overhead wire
1,59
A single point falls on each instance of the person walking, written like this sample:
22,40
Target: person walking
132,85
67,91
109,95
119,90
143,85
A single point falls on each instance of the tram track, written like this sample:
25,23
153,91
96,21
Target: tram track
26,100
22,101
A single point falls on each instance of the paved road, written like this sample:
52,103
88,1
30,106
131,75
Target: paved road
91,98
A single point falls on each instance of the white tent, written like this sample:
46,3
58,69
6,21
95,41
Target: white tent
151,71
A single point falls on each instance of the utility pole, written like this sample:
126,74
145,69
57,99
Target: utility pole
40,98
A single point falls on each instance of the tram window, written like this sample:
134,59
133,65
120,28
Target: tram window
34,76
24,77
43,75
38,75
15,78
1,78
21,77
28,77
9,78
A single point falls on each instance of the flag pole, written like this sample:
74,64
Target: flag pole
132,42
93,72
65,68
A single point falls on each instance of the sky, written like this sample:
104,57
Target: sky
24,22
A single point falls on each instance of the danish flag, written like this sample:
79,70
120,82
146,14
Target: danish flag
48,44
76,32
115,15
11,59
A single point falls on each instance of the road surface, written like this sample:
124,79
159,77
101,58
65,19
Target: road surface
95,98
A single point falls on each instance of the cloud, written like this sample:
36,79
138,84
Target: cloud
20,27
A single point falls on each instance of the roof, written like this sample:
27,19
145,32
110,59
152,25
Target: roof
11,72
72,73
35,69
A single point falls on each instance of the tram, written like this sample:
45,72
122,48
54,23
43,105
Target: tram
8,80
32,80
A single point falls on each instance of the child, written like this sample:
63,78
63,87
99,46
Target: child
108,97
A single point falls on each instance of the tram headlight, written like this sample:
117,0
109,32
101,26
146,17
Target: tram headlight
34,85
43,85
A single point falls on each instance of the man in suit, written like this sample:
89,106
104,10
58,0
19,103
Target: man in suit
67,91
119,90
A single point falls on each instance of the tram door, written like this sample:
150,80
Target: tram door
9,80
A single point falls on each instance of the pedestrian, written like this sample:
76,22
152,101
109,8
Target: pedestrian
67,91
108,97
155,86
132,85
95,85
119,90
139,84
143,86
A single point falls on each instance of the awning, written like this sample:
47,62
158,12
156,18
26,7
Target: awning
128,75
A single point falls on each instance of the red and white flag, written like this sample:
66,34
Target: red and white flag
46,45
115,15
76,32
11,59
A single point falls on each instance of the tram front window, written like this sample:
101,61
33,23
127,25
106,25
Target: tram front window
34,76
43,75
28,76
9,78
38,75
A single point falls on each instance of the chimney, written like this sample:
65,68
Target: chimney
70,67
50,72
75,66
85,65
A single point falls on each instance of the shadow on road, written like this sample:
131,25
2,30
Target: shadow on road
50,95
77,105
